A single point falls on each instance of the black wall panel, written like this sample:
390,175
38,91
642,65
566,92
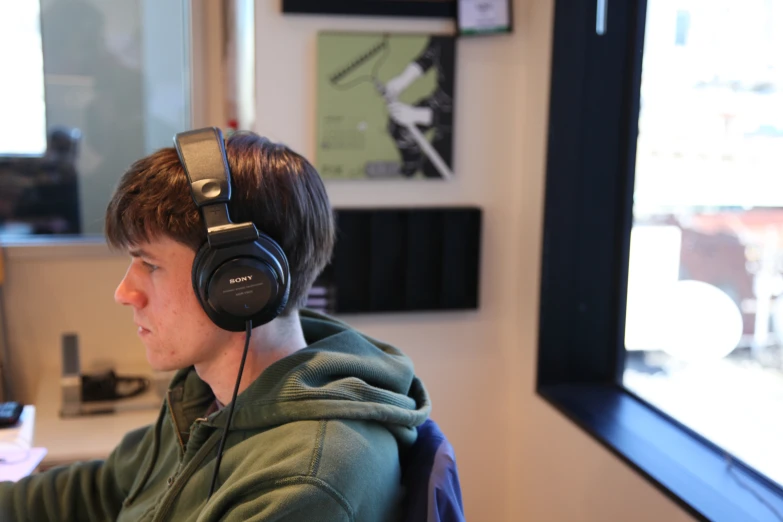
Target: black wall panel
406,259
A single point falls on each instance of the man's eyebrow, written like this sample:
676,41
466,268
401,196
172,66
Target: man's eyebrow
140,252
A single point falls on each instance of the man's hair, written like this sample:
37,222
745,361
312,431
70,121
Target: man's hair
271,185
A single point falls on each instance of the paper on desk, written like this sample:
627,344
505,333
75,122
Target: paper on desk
15,470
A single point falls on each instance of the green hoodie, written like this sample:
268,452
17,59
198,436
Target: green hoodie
316,437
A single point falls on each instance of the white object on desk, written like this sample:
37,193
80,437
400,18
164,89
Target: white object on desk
17,458
19,437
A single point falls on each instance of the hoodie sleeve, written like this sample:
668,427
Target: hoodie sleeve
88,491
291,502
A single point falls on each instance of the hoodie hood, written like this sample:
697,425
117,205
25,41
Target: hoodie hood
342,374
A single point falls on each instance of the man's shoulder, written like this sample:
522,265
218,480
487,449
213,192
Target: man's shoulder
354,462
320,448
364,450
334,435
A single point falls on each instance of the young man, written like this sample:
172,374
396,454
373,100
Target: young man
322,413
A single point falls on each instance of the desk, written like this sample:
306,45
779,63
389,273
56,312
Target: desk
86,437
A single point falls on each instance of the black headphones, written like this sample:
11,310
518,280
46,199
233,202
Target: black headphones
239,274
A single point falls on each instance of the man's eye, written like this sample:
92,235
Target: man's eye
150,266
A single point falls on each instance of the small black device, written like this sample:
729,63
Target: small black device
10,413
239,274
108,386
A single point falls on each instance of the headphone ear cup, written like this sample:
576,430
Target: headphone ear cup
274,249
212,280
198,261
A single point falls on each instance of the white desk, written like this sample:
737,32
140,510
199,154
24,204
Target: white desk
86,437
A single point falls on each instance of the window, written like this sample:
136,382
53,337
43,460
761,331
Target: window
22,100
98,84
660,256
704,320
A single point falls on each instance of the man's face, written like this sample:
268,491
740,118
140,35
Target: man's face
171,323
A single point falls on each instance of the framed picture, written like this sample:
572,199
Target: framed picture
385,105
483,17
425,8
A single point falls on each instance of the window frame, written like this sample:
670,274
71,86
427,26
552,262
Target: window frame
591,155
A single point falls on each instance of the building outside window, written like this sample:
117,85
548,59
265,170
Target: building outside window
704,318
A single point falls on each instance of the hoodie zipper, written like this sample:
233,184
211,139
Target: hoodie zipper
179,479
173,477
174,422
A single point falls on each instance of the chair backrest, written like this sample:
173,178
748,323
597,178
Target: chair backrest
430,478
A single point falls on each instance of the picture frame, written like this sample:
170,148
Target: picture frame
411,8
385,105
484,17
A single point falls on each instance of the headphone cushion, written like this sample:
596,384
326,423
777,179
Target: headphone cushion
198,261
274,249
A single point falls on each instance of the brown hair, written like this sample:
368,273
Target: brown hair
272,186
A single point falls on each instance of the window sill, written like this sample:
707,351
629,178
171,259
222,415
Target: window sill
55,247
686,468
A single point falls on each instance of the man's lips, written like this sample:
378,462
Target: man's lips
142,330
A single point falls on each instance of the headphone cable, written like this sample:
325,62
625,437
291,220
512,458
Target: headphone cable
248,328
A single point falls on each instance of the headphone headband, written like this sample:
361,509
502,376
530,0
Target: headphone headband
203,156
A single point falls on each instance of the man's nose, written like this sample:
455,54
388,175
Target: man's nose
128,294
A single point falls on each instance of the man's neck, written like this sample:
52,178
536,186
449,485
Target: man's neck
268,344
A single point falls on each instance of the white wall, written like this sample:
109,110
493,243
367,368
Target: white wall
519,460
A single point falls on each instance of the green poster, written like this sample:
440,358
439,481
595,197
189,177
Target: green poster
385,106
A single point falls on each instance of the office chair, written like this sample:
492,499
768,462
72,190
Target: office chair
430,478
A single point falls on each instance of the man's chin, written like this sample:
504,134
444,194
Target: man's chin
159,365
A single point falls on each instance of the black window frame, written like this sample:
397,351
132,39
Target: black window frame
591,155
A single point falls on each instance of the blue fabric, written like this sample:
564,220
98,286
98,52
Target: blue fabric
431,480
